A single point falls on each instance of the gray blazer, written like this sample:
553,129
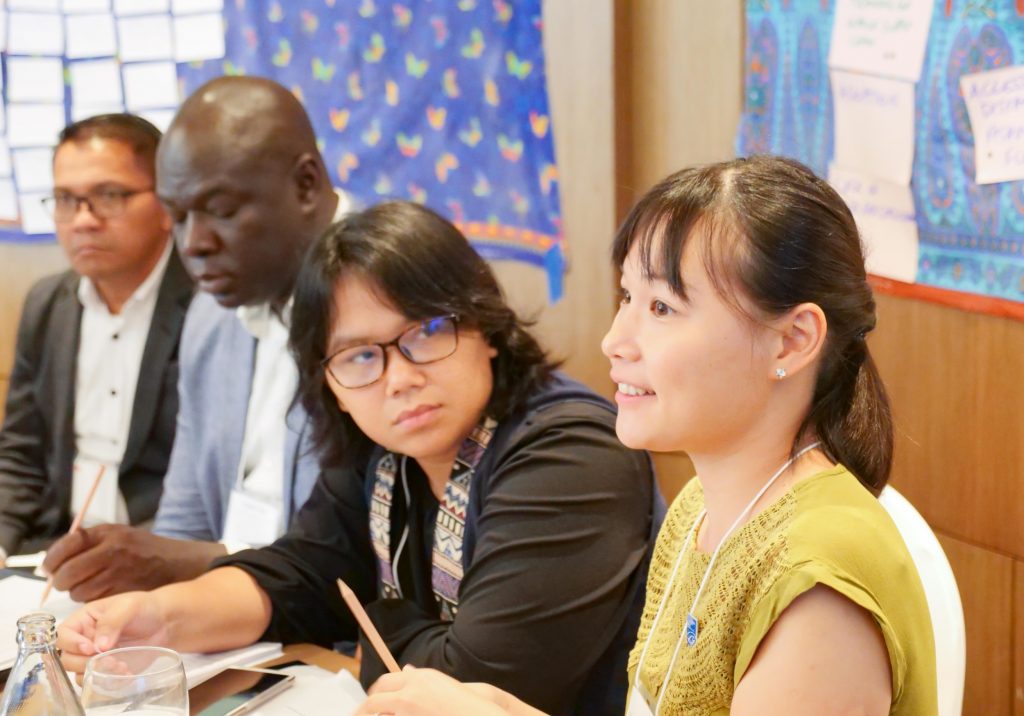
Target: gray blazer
37,441
218,359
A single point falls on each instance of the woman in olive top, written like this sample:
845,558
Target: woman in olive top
778,585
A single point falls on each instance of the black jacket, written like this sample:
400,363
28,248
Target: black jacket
557,532
37,441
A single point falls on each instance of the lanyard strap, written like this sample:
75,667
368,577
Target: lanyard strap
707,573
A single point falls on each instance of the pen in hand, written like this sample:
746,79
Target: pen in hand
75,525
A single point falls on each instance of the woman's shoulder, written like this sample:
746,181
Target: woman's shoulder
836,519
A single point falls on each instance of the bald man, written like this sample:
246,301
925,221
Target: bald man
239,173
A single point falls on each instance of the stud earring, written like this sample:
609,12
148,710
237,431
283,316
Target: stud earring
780,373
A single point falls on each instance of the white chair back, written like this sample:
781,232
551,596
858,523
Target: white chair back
943,597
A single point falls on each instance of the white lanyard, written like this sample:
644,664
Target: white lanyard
690,633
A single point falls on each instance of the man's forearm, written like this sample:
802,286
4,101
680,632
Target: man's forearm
192,558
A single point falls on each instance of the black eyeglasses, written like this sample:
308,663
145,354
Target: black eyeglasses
103,204
428,342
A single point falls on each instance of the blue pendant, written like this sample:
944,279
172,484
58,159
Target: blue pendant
691,630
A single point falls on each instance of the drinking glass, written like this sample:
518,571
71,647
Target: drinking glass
142,680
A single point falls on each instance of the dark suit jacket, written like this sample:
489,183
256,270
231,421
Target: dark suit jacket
37,441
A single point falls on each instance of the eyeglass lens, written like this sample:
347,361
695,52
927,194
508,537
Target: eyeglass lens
426,342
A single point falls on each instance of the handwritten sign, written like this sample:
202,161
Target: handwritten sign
995,105
874,125
881,37
885,216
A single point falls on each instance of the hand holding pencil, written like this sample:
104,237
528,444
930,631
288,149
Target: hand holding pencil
75,525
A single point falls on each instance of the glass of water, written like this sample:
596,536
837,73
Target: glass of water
142,680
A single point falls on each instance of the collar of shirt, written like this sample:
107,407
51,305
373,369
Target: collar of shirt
345,206
259,320
91,300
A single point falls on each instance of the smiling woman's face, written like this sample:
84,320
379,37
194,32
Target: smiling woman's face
692,374
423,411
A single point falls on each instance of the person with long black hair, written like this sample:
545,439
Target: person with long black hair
475,499
779,585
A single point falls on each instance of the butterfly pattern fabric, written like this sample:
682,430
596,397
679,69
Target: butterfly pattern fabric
444,103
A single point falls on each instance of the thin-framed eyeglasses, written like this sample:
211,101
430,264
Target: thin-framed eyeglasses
427,342
103,204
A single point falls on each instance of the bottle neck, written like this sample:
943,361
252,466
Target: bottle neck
37,632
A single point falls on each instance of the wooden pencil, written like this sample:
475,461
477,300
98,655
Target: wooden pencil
75,525
367,626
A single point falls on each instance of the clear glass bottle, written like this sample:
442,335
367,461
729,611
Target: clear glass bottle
38,684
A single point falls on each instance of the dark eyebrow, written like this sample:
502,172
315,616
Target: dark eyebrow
101,186
336,345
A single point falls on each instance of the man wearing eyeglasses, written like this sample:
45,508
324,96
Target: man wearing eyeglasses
93,388
246,189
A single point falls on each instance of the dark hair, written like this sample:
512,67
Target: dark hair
139,134
783,236
422,265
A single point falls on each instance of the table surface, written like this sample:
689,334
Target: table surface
306,653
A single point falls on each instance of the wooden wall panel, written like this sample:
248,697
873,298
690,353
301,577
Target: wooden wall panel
986,588
1017,609
21,265
684,94
957,403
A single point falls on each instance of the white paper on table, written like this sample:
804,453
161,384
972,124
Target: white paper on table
313,688
35,79
33,168
34,125
885,216
33,560
200,667
160,118
8,212
72,7
874,125
139,7
198,37
995,105
20,596
881,37
181,7
6,168
150,85
145,38
36,5
96,83
90,35
80,111
35,219
3,32
35,33
3,119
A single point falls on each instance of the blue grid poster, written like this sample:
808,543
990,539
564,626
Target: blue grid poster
971,236
441,102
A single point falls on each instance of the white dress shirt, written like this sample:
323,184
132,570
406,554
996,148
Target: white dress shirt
274,383
110,348
275,378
